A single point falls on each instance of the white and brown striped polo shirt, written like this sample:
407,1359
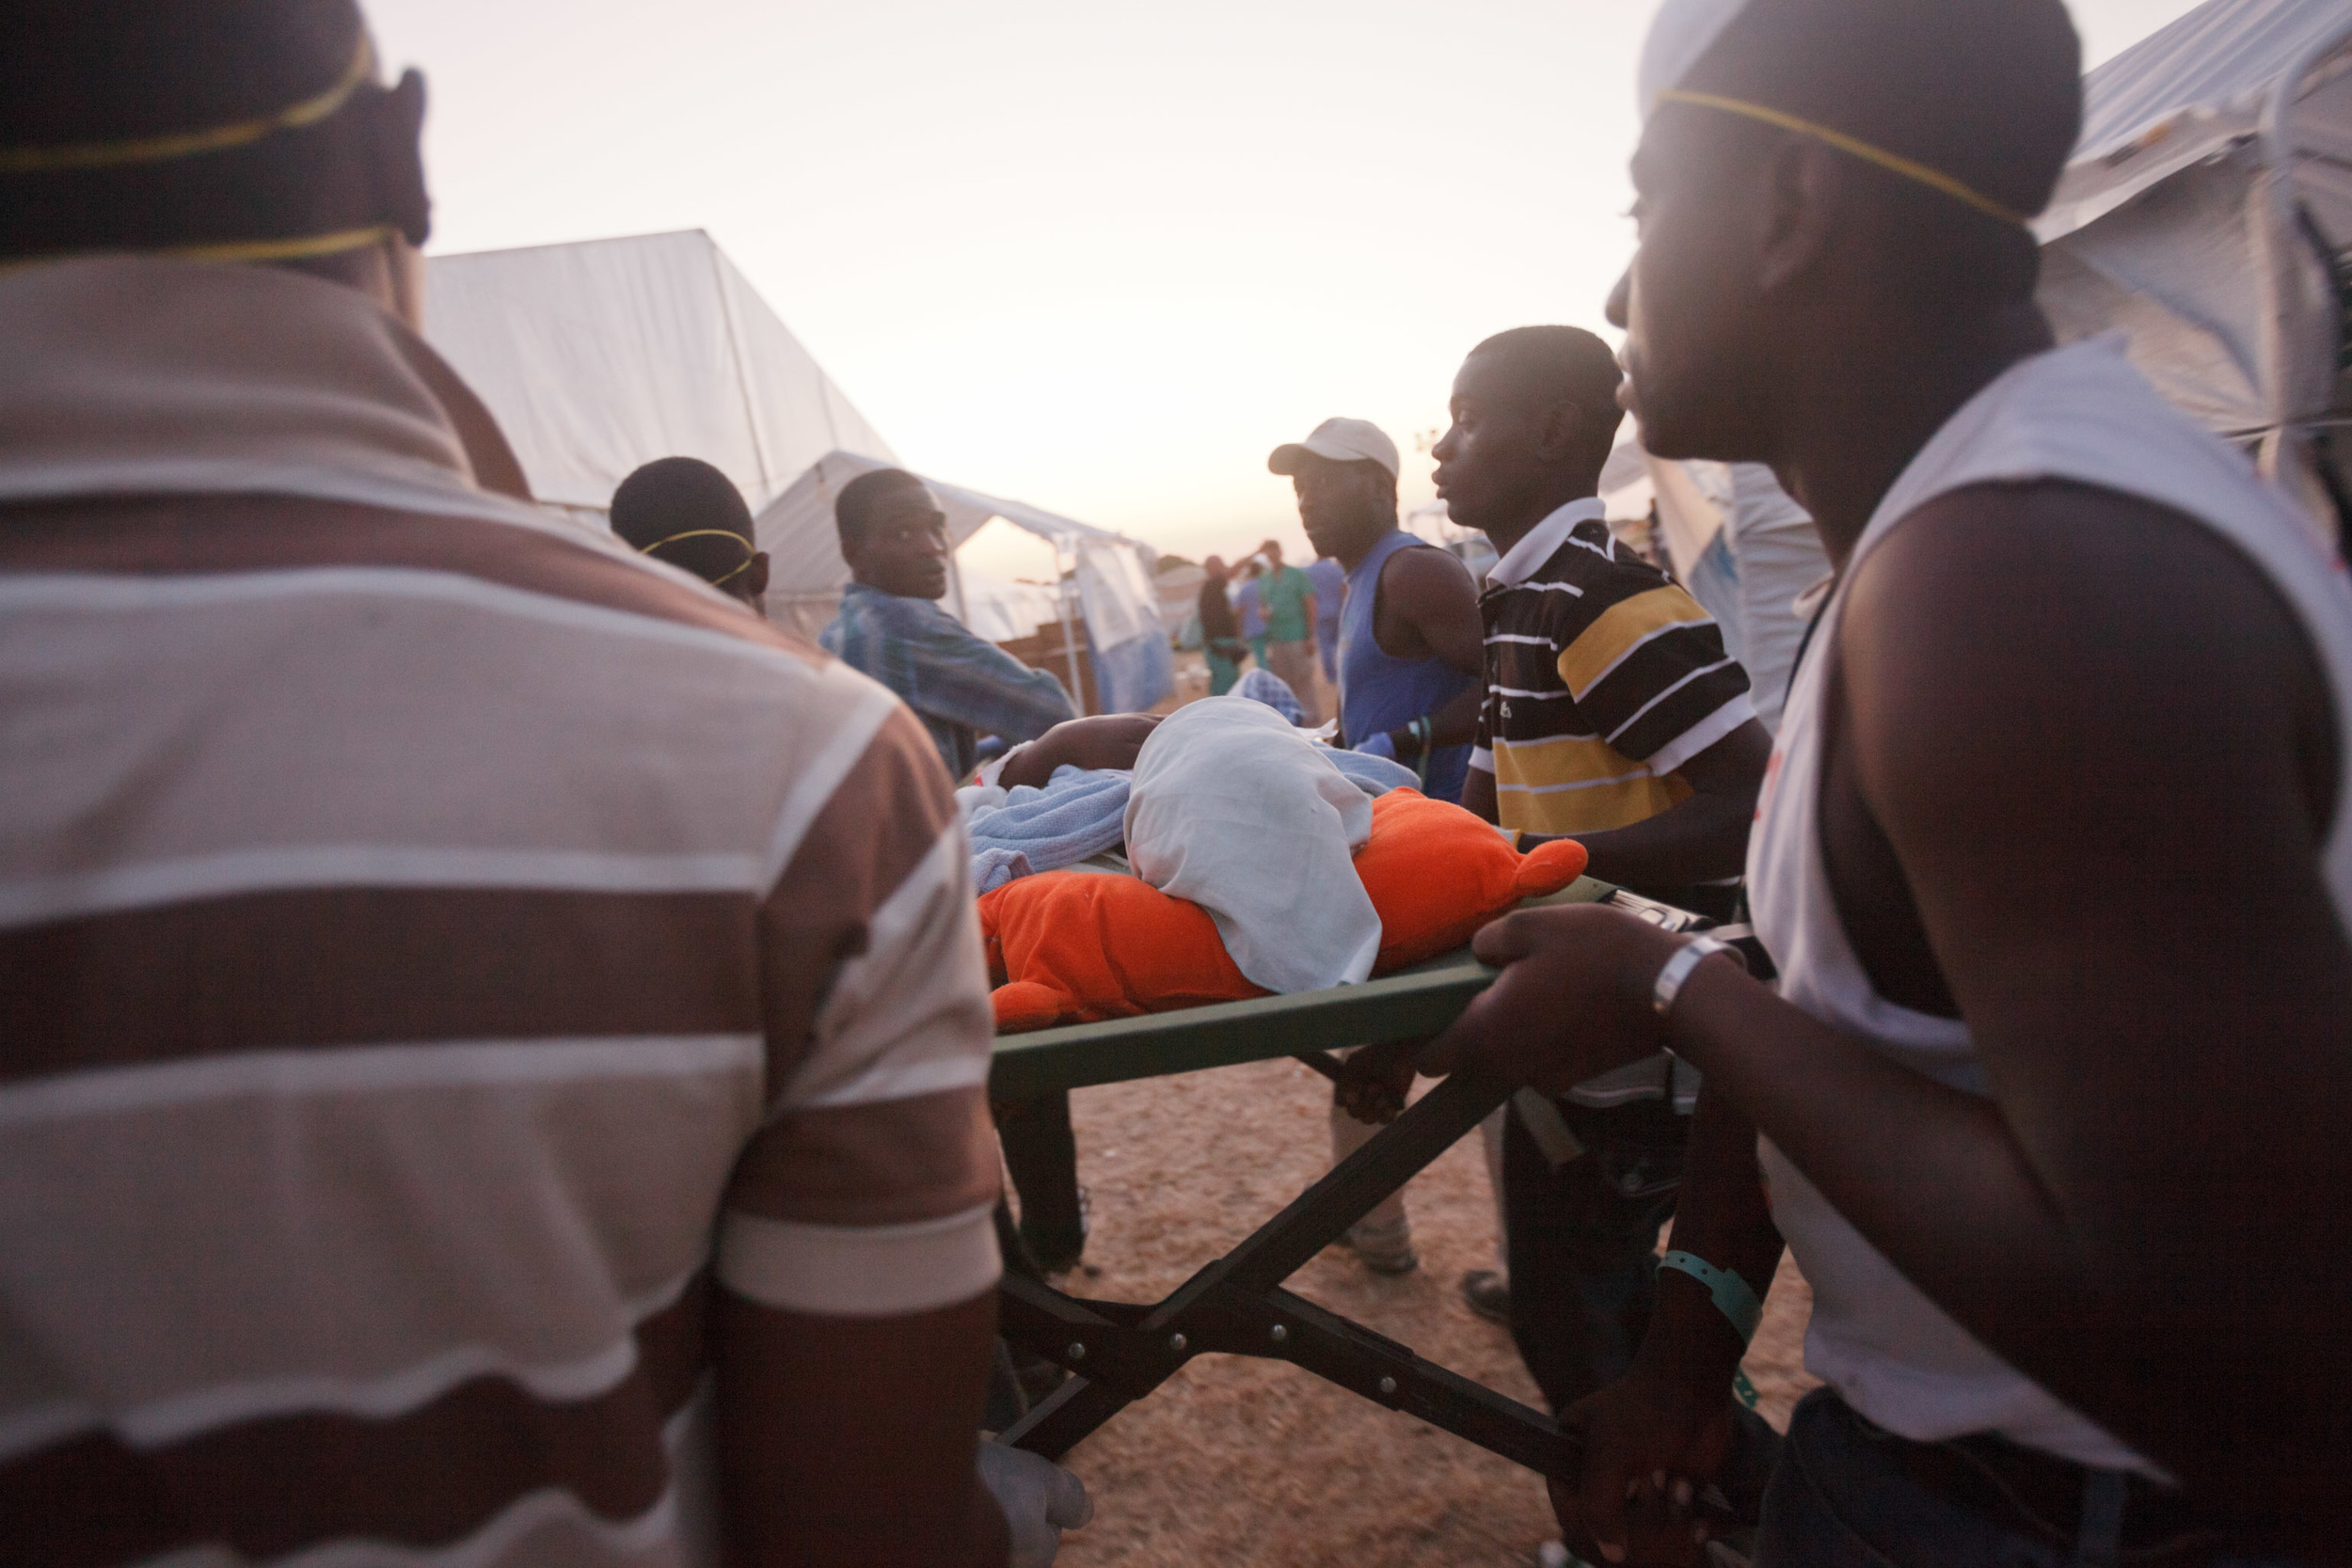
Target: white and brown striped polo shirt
434,942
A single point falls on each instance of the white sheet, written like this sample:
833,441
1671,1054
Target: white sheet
1238,810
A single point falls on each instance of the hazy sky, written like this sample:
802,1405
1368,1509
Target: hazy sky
1098,255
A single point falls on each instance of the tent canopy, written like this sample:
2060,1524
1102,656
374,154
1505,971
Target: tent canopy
2201,211
598,356
1002,609
1112,575
2185,92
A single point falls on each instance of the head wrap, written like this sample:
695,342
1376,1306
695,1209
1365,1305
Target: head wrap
667,507
1976,99
751,552
1679,35
222,130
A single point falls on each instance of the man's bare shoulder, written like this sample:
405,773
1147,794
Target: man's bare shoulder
2066,568
1426,576
2090,650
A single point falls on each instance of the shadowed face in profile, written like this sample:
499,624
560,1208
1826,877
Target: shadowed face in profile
1692,313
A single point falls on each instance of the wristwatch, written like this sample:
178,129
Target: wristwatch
1676,970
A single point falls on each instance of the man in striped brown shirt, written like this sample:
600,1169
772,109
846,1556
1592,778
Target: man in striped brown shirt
492,1035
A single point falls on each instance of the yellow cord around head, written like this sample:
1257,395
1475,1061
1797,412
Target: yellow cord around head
284,250
188,144
1893,163
751,552
292,249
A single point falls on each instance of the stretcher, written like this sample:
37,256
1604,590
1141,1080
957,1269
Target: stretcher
1117,1353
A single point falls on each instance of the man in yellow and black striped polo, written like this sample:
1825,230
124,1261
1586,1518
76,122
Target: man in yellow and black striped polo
1613,713
1614,716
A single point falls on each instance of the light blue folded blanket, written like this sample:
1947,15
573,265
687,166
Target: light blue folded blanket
1375,776
1081,813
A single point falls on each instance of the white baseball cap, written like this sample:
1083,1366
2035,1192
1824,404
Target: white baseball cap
1341,441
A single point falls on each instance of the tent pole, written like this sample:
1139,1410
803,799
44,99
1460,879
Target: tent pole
1065,585
955,577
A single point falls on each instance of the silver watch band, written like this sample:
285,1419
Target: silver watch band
1678,969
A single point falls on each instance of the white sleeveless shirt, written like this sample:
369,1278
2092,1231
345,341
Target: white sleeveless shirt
2082,414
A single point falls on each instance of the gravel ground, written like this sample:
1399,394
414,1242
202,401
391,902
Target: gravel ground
1241,1462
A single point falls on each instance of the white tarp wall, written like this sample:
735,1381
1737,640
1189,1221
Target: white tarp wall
999,608
598,356
1115,594
2180,220
1626,485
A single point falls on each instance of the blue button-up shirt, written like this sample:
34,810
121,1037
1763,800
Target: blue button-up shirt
959,685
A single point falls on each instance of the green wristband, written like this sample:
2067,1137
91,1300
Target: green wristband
1732,1296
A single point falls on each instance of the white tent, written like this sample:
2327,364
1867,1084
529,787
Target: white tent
1001,609
597,356
1108,576
1626,485
2205,212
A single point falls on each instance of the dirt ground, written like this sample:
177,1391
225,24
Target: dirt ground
1240,1461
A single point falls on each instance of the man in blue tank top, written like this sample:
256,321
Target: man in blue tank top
1411,672
1412,658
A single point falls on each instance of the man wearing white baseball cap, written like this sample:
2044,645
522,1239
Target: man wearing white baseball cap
1412,669
1340,440
1410,655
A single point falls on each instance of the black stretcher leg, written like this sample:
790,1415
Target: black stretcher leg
1119,1351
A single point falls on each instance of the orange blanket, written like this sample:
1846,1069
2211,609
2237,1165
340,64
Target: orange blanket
1077,946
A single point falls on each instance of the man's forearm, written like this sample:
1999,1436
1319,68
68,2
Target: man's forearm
1704,839
1720,1217
854,1441
1455,723
1478,799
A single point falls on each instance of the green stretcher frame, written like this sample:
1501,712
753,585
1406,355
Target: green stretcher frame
1119,1351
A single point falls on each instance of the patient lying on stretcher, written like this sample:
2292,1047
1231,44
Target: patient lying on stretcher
1264,863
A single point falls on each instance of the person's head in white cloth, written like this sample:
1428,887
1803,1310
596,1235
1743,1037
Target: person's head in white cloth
1830,191
1236,810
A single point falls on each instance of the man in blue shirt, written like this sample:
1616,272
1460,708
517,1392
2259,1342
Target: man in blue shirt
894,538
1411,661
1412,649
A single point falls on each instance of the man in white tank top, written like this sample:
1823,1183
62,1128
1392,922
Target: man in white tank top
2054,862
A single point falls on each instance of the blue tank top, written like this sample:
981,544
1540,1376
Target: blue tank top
1378,691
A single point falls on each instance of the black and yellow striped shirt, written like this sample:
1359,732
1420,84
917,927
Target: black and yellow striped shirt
1602,679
